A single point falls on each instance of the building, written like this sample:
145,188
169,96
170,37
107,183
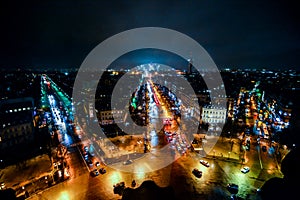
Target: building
190,66
111,117
16,122
213,115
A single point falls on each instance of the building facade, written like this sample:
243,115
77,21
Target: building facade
16,122
111,117
214,114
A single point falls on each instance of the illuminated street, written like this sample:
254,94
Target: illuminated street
149,100
224,159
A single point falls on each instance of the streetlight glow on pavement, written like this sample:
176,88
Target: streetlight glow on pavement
115,177
64,195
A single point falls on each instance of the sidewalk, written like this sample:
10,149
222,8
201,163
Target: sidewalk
125,147
16,175
28,176
226,150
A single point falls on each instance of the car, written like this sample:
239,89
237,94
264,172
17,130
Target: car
204,162
97,164
102,170
245,169
232,188
91,154
197,172
85,148
127,162
89,162
94,172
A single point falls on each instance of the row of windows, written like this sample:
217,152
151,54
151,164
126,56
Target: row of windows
214,112
214,116
10,142
17,122
215,121
17,110
111,112
106,118
9,135
15,129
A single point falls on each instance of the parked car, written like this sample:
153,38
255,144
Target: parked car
89,162
86,157
94,172
204,162
127,162
233,188
197,172
85,148
97,164
245,169
102,170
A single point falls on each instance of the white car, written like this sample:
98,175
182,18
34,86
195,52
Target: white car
127,162
97,164
245,169
204,162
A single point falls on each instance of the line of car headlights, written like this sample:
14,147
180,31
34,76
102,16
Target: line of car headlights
95,171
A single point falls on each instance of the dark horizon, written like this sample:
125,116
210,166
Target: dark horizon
60,34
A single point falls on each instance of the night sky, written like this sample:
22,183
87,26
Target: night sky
242,34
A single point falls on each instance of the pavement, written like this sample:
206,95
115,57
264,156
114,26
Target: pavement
125,147
28,176
35,175
225,150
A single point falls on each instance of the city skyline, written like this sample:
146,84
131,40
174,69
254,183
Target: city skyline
250,137
207,109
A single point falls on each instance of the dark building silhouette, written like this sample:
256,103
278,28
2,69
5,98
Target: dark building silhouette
148,191
286,187
16,127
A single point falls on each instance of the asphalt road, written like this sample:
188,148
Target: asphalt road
223,170
178,175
